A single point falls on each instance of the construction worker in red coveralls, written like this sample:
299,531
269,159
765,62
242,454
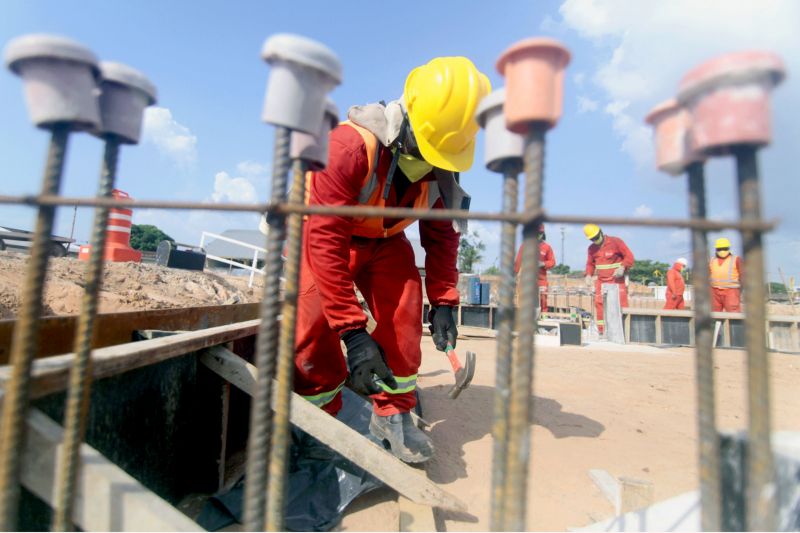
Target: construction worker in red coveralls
406,153
610,259
676,285
547,260
725,271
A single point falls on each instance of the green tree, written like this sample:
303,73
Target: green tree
647,271
492,271
145,237
469,252
560,269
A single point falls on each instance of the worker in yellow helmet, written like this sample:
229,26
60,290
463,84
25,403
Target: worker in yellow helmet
405,153
725,271
610,258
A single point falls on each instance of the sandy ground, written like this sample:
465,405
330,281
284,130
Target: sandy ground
629,410
126,286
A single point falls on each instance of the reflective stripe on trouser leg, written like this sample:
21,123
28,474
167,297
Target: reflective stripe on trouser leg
404,384
324,398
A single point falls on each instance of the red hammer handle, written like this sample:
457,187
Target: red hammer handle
454,362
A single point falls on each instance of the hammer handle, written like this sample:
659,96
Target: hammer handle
451,355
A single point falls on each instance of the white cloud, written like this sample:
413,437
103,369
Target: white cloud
651,45
252,169
643,211
237,190
586,104
170,137
579,78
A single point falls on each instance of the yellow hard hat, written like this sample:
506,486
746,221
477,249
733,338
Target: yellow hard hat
722,242
591,231
441,98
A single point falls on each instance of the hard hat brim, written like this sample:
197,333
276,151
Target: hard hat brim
459,162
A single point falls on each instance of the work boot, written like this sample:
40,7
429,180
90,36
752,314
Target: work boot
406,441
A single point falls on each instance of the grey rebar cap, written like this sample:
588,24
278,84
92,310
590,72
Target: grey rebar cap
314,148
59,77
302,72
501,145
125,93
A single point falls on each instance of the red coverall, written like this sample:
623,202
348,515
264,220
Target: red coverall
675,288
547,260
383,270
726,299
604,259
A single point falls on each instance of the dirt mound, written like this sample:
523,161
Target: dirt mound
126,287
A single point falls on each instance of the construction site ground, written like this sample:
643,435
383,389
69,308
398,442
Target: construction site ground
629,410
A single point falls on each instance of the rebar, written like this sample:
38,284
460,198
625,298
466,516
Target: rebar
281,435
279,208
761,506
519,448
505,320
26,334
708,445
80,377
267,345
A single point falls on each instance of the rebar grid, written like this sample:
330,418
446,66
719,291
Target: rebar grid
708,445
761,507
281,432
26,334
77,403
505,316
519,448
258,448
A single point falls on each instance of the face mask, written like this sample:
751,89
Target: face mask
723,253
414,169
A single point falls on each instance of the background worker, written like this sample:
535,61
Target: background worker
725,271
547,260
610,258
676,285
401,154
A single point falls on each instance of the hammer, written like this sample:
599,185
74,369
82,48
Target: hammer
463,373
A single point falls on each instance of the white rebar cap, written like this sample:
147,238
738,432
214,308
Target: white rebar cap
45,46
303,51
121,74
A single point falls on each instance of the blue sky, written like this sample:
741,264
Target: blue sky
205,140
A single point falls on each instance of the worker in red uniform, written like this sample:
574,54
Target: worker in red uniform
676,285
725,271
610,258
406,153
547,260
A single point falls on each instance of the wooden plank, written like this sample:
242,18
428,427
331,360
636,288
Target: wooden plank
108,499
57,333
415,517
51,374
338,436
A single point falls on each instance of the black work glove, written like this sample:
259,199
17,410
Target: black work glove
443,327
365,358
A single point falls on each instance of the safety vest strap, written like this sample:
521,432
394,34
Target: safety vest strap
608,267
725,275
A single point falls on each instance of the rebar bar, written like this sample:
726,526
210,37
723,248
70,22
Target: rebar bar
281,435
26,334
505,321
519,448
279,208
267,345
708,445
761,506
80,378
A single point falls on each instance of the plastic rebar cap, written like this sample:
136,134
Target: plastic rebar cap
304,51
731,69
495,99
532,42
130,77
44,46
331,112
664,108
